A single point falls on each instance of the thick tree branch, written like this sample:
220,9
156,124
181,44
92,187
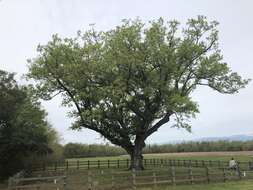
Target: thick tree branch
154,128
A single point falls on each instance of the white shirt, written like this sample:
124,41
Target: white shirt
232,163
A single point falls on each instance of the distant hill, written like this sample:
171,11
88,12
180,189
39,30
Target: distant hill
228,138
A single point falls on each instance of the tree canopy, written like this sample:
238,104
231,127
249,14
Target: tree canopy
127,82
24,130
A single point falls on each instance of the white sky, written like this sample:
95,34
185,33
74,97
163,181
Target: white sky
24,24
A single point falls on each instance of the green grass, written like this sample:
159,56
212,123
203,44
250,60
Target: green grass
242,185
123,179
215,156
221,157
81,178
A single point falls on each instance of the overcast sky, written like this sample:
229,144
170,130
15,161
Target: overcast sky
26,23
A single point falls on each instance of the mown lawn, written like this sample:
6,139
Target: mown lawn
215,156
242,185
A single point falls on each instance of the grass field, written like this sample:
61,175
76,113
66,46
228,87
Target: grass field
239,185
245,185
214,156
213,159
222,156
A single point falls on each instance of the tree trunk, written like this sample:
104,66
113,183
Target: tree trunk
136,158
136,161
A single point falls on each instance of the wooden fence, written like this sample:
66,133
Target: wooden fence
116,179
37,183
148,163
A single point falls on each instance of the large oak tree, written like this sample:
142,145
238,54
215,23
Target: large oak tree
127,82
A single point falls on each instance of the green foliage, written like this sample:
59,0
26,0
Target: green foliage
127,82
200,147
76,150
23,129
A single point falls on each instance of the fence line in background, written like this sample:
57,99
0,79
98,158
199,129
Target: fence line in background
149,163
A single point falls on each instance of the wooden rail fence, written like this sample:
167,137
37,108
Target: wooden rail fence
115,179
148,163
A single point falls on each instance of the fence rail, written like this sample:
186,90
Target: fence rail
148,163
115,179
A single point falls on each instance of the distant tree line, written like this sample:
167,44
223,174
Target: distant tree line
75,150
205,146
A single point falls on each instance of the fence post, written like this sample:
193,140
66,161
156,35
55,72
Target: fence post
118,163
173,176
89,180
44,166
113,181
203,163
67,165
207,175
239,171
77,164
10,182
64,183
55,166
134,179
170,164
224,175
190,175
127,163
88,164
154,178
98,163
